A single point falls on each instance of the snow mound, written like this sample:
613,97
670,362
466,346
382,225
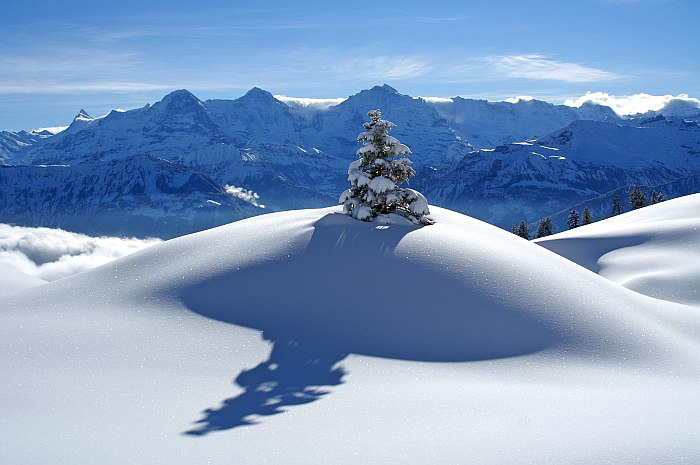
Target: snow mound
134,359
460,290
652,250
13,280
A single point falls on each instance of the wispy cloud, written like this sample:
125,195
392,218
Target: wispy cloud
317,103
380,67
57,88
632,104
539,67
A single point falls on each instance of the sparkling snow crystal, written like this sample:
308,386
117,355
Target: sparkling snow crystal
382,164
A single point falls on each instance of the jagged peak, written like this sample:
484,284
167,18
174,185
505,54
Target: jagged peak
384,88
82,114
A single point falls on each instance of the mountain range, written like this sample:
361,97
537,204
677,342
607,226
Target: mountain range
183,164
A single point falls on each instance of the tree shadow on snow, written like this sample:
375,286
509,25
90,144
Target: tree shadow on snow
294,374
349,291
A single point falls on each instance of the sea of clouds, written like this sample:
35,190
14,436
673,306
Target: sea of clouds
51,254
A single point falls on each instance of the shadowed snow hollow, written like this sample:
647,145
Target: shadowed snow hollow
456,291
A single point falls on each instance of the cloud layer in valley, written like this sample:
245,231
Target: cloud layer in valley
632,104
51,254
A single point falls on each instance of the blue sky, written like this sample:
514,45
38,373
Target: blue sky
56,57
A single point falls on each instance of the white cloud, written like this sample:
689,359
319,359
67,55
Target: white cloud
524,98
316,103
630,104
51,254
435,99
53,129
243,194
539,67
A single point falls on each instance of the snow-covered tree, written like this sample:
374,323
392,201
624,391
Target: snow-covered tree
587,216
617,205
637,197
523,230
375,175
544,228
657,197
573,219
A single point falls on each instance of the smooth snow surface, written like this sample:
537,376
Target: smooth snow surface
654,250
13,280
347,343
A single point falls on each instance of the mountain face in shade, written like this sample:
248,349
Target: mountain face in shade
584,160
141,195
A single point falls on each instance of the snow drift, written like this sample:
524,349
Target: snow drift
456,342
654,250
13,280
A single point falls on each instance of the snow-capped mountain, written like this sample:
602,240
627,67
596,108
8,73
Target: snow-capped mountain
13,144
298,159
255,142
418,125
586,159
489,124
141,195
674,107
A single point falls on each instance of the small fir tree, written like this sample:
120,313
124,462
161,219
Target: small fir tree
382,164
637,197
657,197
573,219
617,205
544,228
523,230
587,217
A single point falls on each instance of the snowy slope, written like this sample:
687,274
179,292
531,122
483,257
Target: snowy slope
253,142
584,160
13,280
418,125
13,144
490,124
141,196
653,250
452,343
601,206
